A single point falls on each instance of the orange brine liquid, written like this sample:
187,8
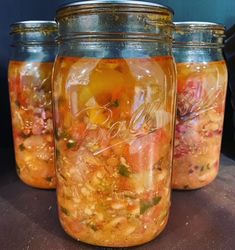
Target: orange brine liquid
200,114
31,108
114,128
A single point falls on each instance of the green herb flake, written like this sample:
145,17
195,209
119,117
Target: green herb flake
64,135
17,103
71,143
49,178
146,205
115,104
130,196
56,134
21,147
57,152
208,166
156,200
25,135
63,176
65,211
17,169
61,135
93,227
124,171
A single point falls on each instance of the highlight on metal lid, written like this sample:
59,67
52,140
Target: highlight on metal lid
199,25
103,4
115,2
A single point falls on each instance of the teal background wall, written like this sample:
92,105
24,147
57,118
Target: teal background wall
222,11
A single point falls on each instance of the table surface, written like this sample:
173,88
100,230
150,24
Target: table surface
202,219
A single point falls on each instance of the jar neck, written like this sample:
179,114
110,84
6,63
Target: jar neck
33,52
198,42
115,21
199,35
193,54
34,39
114,49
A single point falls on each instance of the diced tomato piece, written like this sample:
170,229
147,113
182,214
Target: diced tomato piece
16,88
181,150
78,131
124,184
144,152
181,85
38,126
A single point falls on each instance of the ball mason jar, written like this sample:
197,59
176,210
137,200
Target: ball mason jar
202,84
29,75
114,93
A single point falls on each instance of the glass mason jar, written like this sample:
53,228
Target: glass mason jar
114,93
29,75
202,84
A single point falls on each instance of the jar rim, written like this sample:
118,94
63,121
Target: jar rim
33,26
198,34
115,2
199,25
104,19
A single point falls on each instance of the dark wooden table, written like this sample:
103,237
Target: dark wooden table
202,219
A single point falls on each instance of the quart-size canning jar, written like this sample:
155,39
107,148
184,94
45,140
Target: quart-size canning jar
29,75
202,84
114,95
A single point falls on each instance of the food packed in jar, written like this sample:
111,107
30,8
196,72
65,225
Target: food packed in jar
202,85
31,108
33,52
114,129
199,123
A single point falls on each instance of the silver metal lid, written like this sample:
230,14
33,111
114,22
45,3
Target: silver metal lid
199,25
33,25
34,32
198,34
115,19
82,4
